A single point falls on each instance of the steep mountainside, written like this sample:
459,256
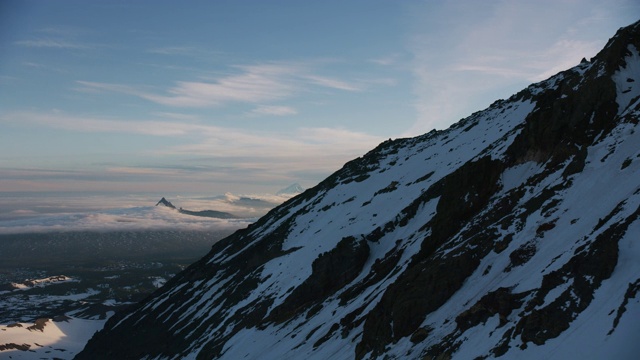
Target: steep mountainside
515,233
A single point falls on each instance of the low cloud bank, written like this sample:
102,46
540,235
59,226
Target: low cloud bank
139,218
106,213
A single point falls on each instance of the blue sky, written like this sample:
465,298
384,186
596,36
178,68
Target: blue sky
251,96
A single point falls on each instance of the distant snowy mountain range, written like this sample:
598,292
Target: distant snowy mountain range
513,234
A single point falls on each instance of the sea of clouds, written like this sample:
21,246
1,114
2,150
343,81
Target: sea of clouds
26,213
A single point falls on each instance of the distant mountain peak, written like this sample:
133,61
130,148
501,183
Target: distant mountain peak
166,203
201,213
291,189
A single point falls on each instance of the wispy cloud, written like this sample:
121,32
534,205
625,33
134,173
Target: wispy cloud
530,65
37,65
190,51
274,110
220,155
386,60
173,50
563,54
51,43
332,83
62,30
93,87
176,116
60,120
306,144
253,84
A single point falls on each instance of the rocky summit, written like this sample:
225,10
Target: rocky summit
166,203
515,233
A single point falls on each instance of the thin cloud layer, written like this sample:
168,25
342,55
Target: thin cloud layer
59,120
142,218
331,83
213,138
42,213
274,110
254,84
51,43
197,155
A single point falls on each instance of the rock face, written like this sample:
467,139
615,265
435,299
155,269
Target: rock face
166,203
201,213
514,233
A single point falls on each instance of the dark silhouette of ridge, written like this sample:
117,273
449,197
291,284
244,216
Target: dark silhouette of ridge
166,203
202,213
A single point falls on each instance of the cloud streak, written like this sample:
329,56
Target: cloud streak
51,43
200,155
274,110
331,83
63,121
243,139
253,84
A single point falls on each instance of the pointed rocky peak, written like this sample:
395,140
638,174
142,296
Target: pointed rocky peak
166,203
614,55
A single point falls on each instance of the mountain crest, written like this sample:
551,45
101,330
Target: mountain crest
166,203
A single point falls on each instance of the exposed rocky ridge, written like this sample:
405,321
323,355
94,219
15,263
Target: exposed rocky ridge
513,233
166,203
202,213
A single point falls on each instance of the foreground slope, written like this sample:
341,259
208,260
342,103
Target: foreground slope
513,233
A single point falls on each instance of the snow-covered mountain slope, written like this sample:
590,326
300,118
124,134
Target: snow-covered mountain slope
60,338
514,233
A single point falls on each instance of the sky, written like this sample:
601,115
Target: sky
210,97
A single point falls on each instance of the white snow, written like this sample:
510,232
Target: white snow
517,175
62,340
28,284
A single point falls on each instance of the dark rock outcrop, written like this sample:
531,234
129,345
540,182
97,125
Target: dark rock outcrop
201,213
166,203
